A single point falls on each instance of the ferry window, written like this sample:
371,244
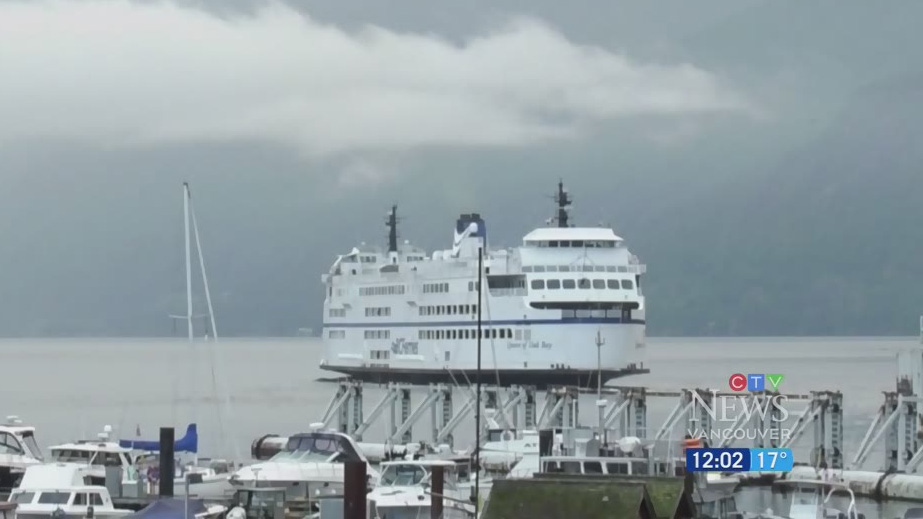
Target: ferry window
569,283
337,312
576,243
553,284
599,268
527,269
474,309
551,268
610,268
570,467
592,467
623,269
509,333
599,283
527,335
539,268
22,498
494,333
466,309
616,468
612,283
54,498
564,268
502,333
627,284
584,283
518,335
537,284
553,243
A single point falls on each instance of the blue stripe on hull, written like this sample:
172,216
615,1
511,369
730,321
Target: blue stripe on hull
485,324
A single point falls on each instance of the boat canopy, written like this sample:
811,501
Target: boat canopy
188,443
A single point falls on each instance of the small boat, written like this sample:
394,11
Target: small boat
309,465
404,491
58,489
811,500
98,454
20,451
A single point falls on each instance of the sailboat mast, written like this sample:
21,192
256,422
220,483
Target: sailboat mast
188,262
477,416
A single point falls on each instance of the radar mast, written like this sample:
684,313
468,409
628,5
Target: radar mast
391,223
564,202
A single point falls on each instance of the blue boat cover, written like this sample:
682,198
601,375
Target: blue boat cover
169,508
188,443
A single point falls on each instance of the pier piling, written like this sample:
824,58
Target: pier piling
167,469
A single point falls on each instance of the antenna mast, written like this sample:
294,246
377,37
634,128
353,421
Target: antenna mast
564,201
477,416
391,223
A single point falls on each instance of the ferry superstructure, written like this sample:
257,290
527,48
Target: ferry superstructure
563,308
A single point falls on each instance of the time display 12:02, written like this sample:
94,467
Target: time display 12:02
718,460
739,460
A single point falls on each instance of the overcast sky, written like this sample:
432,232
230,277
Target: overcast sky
299,123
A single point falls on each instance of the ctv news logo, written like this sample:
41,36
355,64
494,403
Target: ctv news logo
755,383
742,417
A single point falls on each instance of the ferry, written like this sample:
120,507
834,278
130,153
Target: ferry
565,308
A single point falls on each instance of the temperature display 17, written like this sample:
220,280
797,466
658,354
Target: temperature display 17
739,460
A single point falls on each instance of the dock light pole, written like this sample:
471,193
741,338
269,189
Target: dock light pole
477,415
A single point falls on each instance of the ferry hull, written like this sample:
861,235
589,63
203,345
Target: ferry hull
541,379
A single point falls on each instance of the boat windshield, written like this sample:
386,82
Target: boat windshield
402,475
317,447
29,439
399,512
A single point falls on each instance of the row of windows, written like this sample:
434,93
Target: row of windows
467,333
379,354
368,259
337,312
384,290
435,288
585,284
378,311
449,310
336,334
580,268
378,334
590,244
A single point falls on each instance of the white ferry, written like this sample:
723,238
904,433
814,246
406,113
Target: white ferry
564,308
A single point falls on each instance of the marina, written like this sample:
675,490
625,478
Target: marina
529,422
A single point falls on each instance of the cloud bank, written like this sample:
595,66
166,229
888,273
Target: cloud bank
123,73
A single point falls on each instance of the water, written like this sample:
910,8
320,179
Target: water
71,388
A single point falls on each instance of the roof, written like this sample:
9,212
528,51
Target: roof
572,233
52,476
666,494
421,463
553,498
94,446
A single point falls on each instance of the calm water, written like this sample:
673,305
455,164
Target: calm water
71,388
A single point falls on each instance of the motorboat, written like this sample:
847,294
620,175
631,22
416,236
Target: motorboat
140,464
811,499
309,465
403,491
56,489
18,450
